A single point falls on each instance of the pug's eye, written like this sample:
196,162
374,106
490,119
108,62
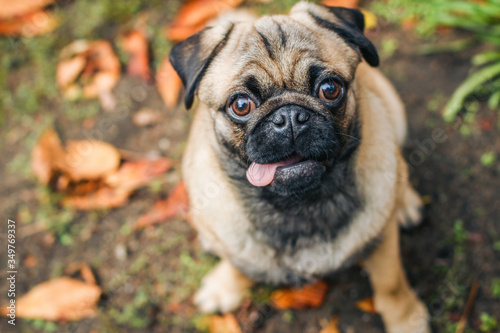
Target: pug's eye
242,106
330,91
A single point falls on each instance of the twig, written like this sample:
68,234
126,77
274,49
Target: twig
468,307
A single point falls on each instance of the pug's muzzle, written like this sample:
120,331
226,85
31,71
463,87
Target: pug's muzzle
289,149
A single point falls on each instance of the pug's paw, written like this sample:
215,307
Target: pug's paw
416,322
410,212
222,289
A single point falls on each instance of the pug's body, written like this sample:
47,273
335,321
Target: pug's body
293,164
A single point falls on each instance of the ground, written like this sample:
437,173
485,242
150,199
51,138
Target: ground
148,277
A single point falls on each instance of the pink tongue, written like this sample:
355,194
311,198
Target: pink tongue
263,174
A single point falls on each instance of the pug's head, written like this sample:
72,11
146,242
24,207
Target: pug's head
279,90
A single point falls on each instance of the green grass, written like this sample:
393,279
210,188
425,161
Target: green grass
480,19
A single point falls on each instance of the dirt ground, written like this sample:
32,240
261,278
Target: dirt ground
149,276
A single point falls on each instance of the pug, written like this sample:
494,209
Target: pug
293,164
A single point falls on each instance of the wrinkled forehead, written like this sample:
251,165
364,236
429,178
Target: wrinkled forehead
279,51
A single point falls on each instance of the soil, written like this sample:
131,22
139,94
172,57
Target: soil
148,276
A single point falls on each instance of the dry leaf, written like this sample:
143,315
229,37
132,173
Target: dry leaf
179,33
104,197
95,67
169,83
332,326
135,44
132,175
20,7
366,305
30,261
193,16
79,46
58,299
176,203
29,25
224,324
409,23
47,150
88,159
310,296
341,3
68,70
370,19
84,270
146,116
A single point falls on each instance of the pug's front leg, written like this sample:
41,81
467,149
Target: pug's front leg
222,289
400,308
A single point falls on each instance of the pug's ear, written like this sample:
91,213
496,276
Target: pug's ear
346,23
192,57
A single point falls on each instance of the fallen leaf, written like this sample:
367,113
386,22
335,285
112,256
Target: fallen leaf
104,197
48,239
169,83
58,299
341,3
366,305
20,7
224,324
332,326
370,19
486,124
84,270
310,296
194,14
47,150
135,44
29,25
88,159
69,69
409,23
30,261
81,187
90,69
181,32
176,203
146,116
132,175
74,48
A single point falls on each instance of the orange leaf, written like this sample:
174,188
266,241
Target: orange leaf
88,159
29,25
224,324
104,197
146,116
47,150
30,261
135,174
84,270
135,44
341,3
20,7
409,23
332,326
181,32
196,13
366,305
311,295
58,299
169,83
69,69
177,202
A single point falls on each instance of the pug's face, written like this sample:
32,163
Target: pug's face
279,89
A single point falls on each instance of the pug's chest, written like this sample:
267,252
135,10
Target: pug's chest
294,223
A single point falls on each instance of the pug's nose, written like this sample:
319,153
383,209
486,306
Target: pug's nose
290,117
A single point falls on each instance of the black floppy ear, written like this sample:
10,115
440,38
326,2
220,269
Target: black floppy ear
349,25
192,57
